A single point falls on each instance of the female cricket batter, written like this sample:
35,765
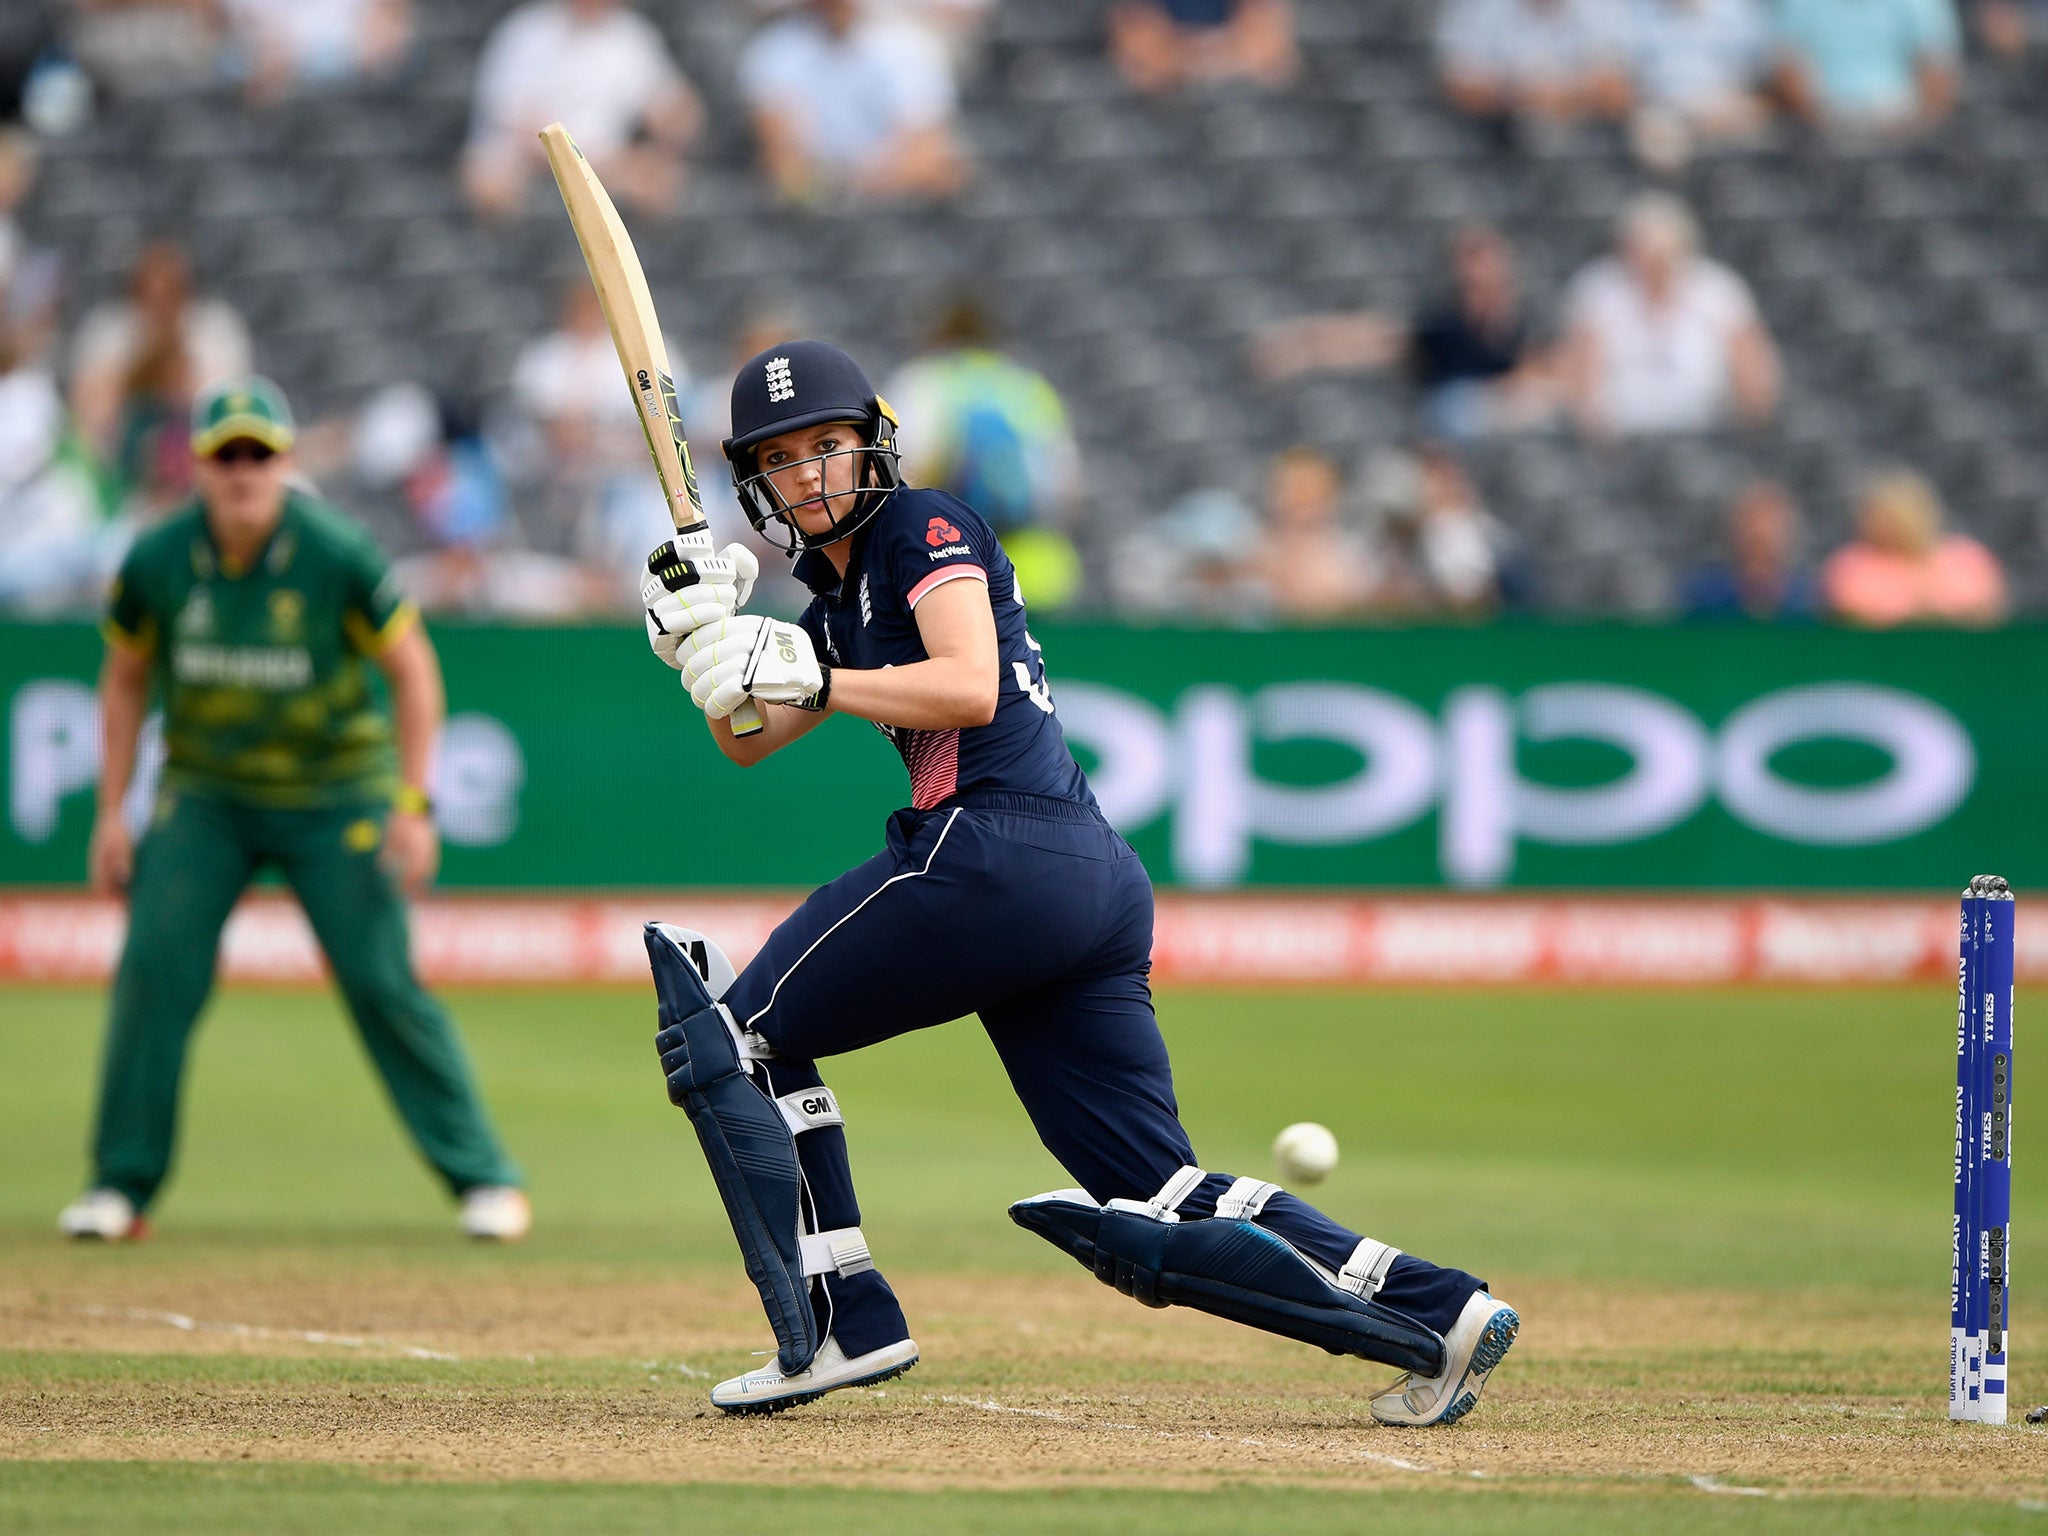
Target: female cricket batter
1002,892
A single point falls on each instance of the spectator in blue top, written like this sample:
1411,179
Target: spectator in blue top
1167,45
1698,66
854,105
1762,578
1869,66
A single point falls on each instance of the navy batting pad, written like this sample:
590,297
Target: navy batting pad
746,1141
1231,1269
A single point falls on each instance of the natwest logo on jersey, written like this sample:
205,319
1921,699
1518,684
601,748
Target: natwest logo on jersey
939,531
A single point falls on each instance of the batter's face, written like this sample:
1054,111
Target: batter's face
816,471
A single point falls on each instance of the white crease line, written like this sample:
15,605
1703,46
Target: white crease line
186,1324
1707,1484
986,1406
1047,1413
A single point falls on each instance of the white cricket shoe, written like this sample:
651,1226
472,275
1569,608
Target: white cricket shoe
496,1213
769,1391
106,1214
1476,1344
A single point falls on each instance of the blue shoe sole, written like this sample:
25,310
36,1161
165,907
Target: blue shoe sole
1494,1342
798,1399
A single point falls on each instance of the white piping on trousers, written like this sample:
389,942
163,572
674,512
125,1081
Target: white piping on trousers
908,874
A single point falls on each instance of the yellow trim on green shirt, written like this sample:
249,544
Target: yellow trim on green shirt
374,643
142,645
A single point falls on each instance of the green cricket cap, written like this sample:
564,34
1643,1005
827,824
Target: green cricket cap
251,408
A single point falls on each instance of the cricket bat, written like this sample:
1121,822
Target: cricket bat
629,313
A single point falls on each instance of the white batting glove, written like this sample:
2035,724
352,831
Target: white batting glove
684,592
771,660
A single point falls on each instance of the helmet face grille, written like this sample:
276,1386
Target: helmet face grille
877,472
806,384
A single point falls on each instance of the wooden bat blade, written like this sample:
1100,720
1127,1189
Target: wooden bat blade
621,284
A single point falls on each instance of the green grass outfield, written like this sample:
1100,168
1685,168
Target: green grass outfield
1756,1143
90,1499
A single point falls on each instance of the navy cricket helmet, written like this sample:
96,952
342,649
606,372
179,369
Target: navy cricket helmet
806,384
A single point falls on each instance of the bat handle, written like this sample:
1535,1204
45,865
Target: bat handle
696,535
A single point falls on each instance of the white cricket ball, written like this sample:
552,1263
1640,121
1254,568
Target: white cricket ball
1305,1152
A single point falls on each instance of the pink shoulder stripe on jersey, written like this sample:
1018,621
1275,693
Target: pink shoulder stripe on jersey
941,576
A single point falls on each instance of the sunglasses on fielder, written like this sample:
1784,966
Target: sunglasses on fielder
243,452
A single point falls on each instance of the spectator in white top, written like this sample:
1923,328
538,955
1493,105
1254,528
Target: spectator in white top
850,105
1549,60
1699,67
604,72
1661,339
281,43
136,365
53,547
31,277
1869,66
1435,549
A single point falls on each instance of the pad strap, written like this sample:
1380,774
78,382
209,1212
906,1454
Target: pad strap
747,1045
1176,1189
1245,1199
1366,1270
842,1251
810,1109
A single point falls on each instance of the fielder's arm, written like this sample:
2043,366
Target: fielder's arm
124,699
419,702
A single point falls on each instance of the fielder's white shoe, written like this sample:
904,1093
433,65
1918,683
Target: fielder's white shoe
106,1214
769,1391
1476,1344
497,1213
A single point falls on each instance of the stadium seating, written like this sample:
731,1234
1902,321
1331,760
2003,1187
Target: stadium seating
1135,245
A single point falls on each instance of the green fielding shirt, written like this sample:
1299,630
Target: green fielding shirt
265,695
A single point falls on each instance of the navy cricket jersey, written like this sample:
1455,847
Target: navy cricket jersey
916,543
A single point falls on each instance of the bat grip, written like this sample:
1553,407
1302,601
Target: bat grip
695,535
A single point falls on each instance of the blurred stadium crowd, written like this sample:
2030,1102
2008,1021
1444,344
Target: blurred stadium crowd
1246,310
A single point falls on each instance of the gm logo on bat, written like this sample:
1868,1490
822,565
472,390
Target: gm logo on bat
650,397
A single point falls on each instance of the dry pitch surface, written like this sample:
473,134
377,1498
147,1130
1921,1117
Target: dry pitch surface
1023,1384
1731,1285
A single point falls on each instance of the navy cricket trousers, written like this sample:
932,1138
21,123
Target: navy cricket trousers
1032,912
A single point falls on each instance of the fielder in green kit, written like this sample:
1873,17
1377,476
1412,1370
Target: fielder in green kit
252,614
